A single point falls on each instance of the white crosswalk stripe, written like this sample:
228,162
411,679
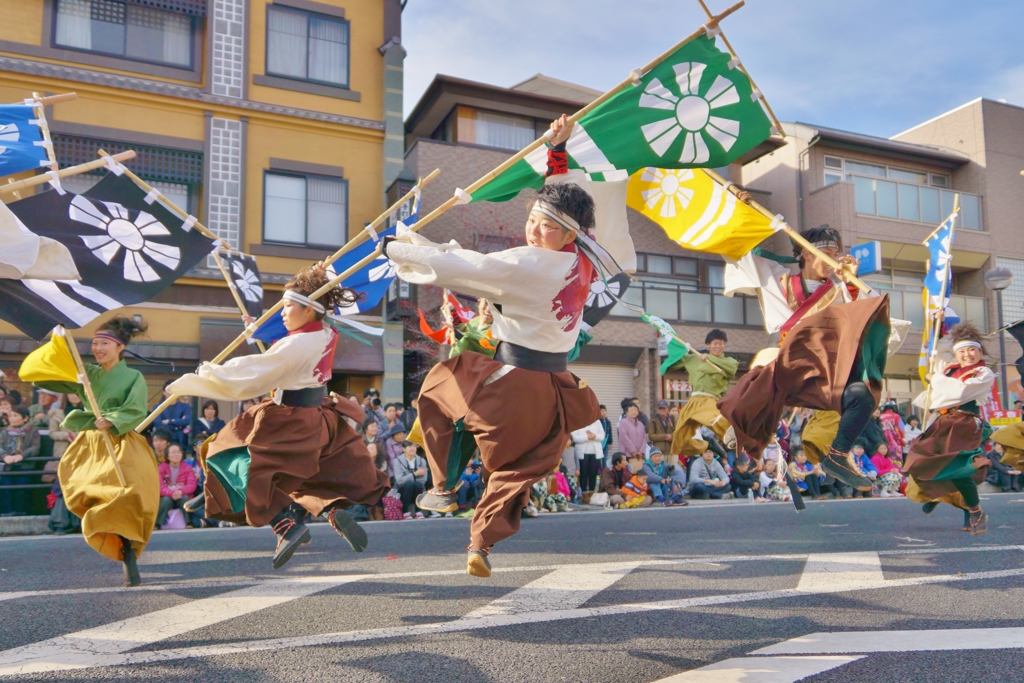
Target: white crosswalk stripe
560,594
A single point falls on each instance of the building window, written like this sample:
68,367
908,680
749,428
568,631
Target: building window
503,131
305,210
125,30
307,46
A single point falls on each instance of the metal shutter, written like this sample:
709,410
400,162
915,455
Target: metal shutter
611,383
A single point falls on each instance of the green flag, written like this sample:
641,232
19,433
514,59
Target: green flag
690,111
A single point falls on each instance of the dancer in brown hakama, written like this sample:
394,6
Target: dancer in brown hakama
832,357
292,448
520,406
947,462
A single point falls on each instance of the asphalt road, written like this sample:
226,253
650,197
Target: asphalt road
732,592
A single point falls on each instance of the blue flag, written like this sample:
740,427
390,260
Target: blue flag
372,281
940,248
21,140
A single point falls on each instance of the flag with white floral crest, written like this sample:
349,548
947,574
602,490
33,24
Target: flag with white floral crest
128,247
695,109
245,275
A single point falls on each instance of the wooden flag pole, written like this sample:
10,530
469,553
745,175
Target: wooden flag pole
94,405
65,172
234,293
794,235
628,82
54,99
334,282
775,120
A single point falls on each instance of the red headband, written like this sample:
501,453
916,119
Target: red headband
101,334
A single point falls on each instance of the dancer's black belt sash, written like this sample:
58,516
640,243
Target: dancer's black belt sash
528,359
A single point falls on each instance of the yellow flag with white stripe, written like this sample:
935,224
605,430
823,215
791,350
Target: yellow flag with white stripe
51,362
698,212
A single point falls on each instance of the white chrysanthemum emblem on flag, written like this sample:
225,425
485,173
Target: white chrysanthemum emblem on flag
667,190
247,282
692,114
8,133
135,236
384,270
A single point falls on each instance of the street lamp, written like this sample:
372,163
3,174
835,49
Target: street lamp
998,279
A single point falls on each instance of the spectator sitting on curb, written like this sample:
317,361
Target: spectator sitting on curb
745,479
808,476
666,482
635,491
860,447
708,478
614,478
410,473
889,475
472,487
1000,474
773,487
177,483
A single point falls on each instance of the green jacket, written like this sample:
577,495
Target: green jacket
120,393
703,377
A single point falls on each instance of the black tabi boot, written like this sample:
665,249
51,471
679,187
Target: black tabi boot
844,467
348,529
290,534
131,569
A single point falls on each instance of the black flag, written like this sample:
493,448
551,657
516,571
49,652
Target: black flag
1016,330
599,303
127,246
245,277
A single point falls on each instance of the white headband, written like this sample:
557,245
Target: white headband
563,219
966,345
292,295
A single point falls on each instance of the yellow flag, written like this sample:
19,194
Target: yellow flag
51,362
697,212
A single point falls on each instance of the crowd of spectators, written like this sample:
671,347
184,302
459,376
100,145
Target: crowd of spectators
641,472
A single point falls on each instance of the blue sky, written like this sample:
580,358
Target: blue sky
870,66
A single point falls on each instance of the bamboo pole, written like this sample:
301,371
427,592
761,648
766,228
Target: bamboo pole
65,172
937,324
794,235
94,405
234,293
775,120
334,282
54,99
628,82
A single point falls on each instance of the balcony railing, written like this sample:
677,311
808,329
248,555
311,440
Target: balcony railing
680,302
908,202
908,306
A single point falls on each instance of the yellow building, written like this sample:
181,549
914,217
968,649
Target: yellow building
277,122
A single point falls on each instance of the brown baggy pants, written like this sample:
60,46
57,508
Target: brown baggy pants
521,422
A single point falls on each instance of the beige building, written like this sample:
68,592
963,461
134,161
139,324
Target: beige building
896,191
277,122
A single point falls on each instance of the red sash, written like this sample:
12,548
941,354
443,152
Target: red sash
804,303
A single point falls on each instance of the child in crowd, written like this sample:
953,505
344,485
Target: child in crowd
472,486
545,495
888,468
636,490
773,487
864,462
744,478
808,476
